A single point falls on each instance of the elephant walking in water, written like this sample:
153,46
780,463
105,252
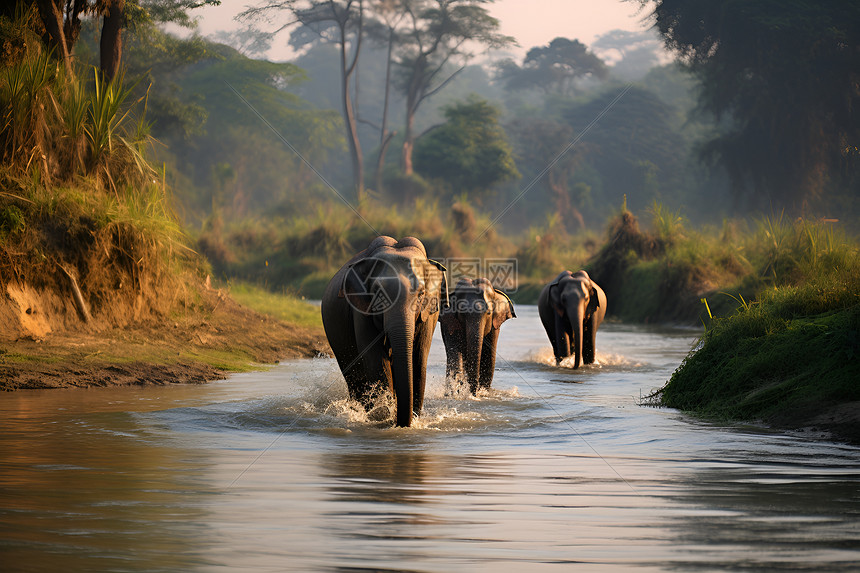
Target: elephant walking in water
379,312
470,329
571,309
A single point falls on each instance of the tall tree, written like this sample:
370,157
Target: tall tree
341,23
470,151
552,68
62,22
786,78
435,49
385,30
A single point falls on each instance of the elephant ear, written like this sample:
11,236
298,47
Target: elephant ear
508,312
593,299
355,287
443,293
431,303
554,301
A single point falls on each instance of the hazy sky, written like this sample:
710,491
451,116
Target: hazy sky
531,22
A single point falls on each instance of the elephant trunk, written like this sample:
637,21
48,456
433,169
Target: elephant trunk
576,318
474,343
401,335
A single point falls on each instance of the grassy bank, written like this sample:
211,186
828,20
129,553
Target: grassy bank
99,285
104,289
283,306
791,359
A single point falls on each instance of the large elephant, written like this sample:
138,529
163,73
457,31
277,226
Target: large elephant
379,312
571,309
470,329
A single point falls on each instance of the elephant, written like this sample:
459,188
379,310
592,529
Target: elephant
470,330
572,306
379,312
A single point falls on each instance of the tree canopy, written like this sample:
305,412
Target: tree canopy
470,151
553,68
785,79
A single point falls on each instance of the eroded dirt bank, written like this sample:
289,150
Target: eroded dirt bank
217,336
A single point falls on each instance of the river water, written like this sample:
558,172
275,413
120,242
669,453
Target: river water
553,469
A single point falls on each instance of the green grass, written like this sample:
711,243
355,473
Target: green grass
792,354
286,307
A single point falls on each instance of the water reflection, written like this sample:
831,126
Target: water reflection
769,515
382,477
75,496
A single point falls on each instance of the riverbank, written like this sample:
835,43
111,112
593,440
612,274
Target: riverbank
789,360
220,338
102,288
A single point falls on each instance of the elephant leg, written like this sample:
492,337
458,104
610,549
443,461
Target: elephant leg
562,338
454,344
589,337
372,369
547,318
420,351
488,359
340,331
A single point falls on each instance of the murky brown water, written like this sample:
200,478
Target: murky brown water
554,468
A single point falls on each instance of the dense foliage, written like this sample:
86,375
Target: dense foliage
470,151
785,77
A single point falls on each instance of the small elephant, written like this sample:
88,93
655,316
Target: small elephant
379,312
470,329
572,306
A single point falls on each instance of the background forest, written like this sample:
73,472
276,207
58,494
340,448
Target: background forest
416,117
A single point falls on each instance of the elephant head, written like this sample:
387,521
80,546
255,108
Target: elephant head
470,330
381,318
572,307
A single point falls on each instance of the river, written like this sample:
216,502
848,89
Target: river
553,469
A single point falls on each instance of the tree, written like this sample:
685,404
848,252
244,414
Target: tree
553,68
435,40
110,45
341,23
536,142
385,31
783,77
470,151
62,22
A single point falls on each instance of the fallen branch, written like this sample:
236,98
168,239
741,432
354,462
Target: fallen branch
80,303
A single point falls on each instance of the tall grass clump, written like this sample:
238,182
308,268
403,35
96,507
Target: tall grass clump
784,359
86,221
64,127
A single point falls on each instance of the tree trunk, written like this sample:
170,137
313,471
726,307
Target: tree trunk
110,45
72,27
352,140
384,136
412,100
52,18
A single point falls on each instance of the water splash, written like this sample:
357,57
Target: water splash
602,359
